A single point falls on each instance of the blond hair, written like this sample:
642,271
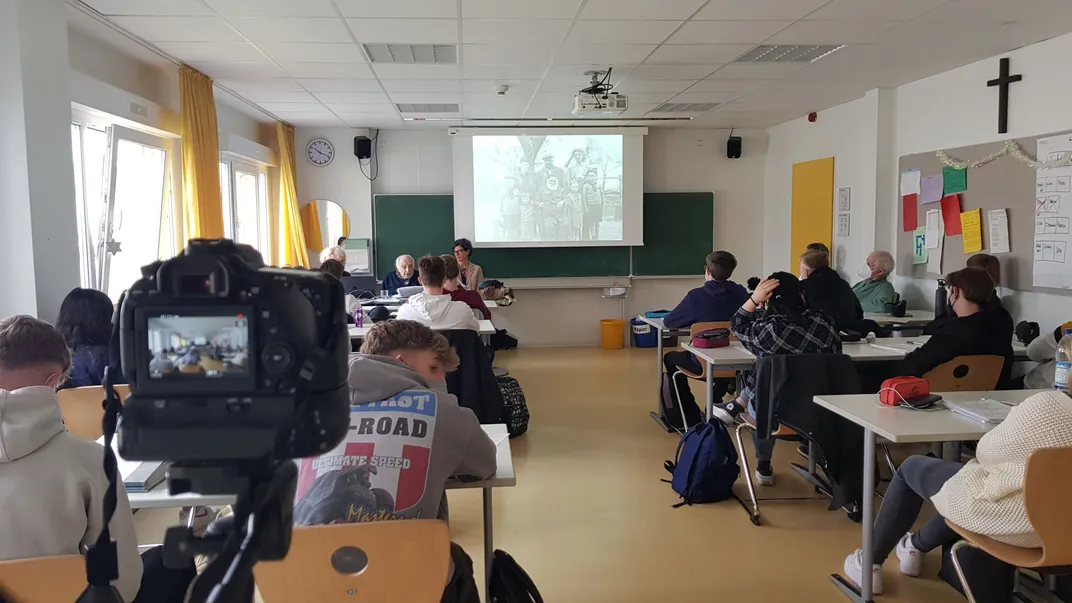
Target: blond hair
388,337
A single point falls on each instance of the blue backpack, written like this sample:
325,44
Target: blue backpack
705,467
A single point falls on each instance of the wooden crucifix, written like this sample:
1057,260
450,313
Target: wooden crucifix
1002,82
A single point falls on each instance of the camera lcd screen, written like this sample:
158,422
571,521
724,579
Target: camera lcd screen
198,347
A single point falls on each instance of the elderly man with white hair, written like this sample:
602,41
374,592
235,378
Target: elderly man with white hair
875,288
403,276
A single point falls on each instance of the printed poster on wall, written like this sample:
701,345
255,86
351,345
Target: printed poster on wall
1053,216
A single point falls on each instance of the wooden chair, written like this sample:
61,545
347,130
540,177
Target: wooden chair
42,580
695,329
82,410
966,373
360,562
1046,492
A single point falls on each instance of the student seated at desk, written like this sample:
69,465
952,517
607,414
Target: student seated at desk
85,321
458,293
336,269
825,290
401,413
52,483
434,307
1042,350
978,329
717,300
784,326
992,265
875,290
403,276
985,496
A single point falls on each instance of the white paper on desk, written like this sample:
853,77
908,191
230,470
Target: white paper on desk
500,438
935,228
934,257
910,182
998,222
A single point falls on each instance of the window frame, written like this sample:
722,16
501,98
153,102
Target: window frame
259,170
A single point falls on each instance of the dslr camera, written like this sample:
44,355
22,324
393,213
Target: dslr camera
231,365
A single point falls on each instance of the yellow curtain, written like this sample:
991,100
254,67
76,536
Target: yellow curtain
345,224
202,207
291,237
310,218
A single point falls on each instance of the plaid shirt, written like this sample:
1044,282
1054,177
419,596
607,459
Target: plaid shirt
766,334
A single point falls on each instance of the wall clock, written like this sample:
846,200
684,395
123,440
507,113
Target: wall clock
320,152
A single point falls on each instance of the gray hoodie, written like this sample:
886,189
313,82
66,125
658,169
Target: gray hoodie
52,486
438,312
407,437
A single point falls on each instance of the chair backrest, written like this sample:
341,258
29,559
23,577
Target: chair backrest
700,327
1046,492
967,373
82,410
43,579
358,562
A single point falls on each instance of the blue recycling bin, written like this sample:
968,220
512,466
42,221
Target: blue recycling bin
644,336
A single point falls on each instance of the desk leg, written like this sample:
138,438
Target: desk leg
657,415
863,594
710,390
489,540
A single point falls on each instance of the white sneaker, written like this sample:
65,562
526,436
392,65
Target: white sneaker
853,567
764,480
911,557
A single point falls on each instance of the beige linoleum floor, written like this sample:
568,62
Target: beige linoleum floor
591,522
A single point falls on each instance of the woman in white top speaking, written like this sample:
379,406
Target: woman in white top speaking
471,274
985,496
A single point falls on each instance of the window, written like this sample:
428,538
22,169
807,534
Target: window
244,188
124,185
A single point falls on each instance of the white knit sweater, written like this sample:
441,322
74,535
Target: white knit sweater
987,495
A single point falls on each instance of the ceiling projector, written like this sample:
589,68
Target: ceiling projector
606,103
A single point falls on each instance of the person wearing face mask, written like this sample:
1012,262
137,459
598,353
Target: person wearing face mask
403,276
875,290
992,265
976,330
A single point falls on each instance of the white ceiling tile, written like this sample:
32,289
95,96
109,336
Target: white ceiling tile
789,10
519,9
418,97
568,84
726,32
307,108
631,85
876,10
327,70
434,72
514,31
150,7
364,98
550,105
342,109
340,85
728,85
830,32
244,85
190,52
706,97
270,96
494,72
294,29
299,120
273,8
491,99
503,54
648,98
614,32
179,29
421,85
517,87
492,110
604,53
672,72
238,69
405,31
756,71
640,9
381,9
702,54
312,52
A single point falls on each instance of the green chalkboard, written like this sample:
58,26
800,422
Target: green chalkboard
678,234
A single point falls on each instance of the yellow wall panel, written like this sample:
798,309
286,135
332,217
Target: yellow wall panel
813,207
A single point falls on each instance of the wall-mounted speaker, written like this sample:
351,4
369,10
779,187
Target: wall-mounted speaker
733,147
363,147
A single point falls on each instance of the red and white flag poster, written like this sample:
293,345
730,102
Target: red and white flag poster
379,471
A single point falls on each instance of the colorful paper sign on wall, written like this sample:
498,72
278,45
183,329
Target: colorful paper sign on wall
919,246
931,189
954,180
909,213
951,214
971,223
910,182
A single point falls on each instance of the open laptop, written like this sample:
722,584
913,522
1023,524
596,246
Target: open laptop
360,286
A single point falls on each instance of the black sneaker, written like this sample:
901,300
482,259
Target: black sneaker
727,412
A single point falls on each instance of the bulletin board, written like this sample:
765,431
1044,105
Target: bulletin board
1002,184
813,207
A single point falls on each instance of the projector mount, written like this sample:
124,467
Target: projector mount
600,84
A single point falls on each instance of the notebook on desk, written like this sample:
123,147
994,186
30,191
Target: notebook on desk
983,411
138,476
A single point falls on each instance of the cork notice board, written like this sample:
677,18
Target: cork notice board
1002,184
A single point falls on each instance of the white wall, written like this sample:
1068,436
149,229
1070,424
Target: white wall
421,161
340,181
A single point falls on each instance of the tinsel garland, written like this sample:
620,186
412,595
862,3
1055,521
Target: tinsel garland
1011,148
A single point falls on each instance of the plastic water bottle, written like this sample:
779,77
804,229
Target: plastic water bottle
359,317
1063,363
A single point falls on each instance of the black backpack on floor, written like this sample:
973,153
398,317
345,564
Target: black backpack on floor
515,410
509,583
